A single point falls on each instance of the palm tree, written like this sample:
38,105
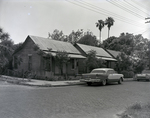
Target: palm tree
100,24
109,22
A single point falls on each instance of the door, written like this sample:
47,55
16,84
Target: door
112,76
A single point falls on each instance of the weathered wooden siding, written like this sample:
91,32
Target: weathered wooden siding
38,62
66,69
28,49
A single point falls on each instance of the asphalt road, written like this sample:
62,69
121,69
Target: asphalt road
81,101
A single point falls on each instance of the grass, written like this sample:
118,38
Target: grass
137,110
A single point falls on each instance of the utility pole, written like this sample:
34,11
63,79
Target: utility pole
149,46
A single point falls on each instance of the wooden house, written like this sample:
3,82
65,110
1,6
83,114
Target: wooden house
114,54
100,53
32,61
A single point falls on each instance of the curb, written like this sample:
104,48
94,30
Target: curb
50,85
28,82
17,82
25,82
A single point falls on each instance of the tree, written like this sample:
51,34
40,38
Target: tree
61,59
88,40
6,49
100,24
148,53
109,43
124,43
134,47
57,35
123,62
92,61
109,22
139,66
75,36
3,35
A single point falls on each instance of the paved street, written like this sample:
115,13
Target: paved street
81,101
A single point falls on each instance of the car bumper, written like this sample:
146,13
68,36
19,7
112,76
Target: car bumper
142,78
90,80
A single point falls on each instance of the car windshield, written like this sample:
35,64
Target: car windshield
98,71
146,72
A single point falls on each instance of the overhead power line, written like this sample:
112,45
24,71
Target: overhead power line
143,31
139,4
146,31
108,12
125,9
136,8
104,12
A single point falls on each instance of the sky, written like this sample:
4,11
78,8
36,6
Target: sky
21,18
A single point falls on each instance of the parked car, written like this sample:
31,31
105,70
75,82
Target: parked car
102,75
145,75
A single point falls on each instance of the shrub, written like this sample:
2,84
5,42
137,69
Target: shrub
131,74
127,74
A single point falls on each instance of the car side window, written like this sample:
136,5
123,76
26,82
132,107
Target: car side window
109,72
114,72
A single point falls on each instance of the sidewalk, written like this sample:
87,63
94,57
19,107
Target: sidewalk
43,83
40,83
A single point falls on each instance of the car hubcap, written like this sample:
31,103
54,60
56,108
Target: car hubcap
104,82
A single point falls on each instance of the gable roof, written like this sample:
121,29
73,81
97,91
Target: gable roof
100,52
113,53
45,43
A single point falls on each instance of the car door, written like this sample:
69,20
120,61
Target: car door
112,75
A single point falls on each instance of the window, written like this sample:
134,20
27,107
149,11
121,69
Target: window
47,64
29,62
73,63
111,72
15,62
98,71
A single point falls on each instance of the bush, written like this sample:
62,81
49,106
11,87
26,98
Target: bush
127,74
131,74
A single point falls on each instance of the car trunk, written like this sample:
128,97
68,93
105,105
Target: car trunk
93,76
141,76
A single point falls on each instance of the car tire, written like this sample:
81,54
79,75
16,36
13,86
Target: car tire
89,83
104,82
120,81
137,79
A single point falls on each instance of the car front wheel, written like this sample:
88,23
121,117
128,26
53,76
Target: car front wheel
89,83
104,82
120,81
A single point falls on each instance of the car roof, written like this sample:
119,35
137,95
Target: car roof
105,69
